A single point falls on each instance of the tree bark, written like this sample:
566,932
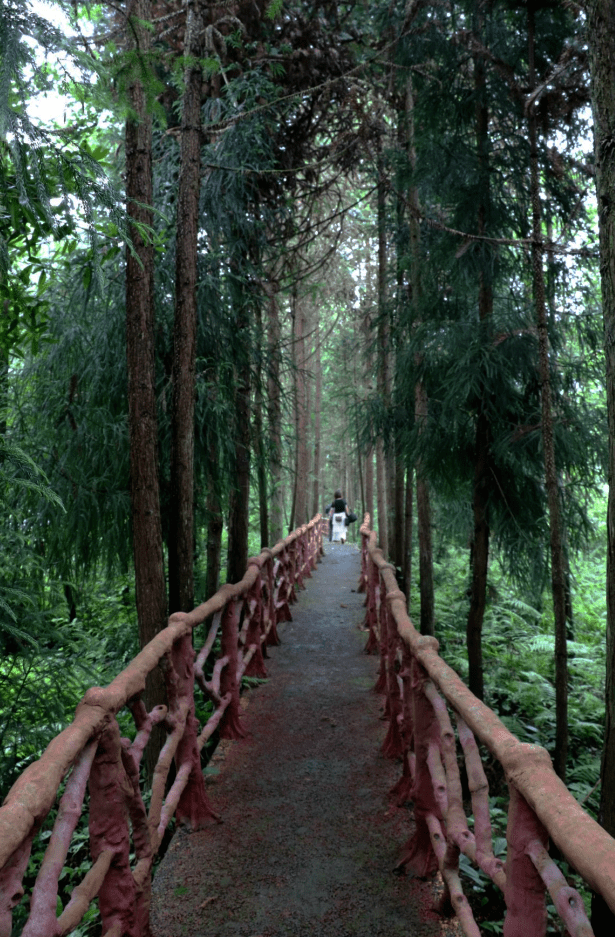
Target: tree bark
181,522
300,375
406,568
383,537
274,413
558,585
4,391
369,483
259,435
601,34
423,510
479,554
150,585
239,501
142,421
316,495
384,456
421,403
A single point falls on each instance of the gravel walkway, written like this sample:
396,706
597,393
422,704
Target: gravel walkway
309,837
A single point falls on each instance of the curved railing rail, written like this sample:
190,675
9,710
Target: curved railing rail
107,766
420,690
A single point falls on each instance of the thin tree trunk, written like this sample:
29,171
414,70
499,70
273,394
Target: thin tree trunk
479,554
239,501
150,585
601,33
142,421
383,539
259,436
316,505
181,523
558,587
408,524
300,374
274,412
421,403
423,510
369,483
215,525
384,457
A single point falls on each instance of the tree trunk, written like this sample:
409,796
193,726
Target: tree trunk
300,374
259,435
316,494
423,510
181,521
142,421
558,586
421,404
239,501
150,585
4,389
369,483
383,538
479,554
382,382
215,525
274,413
406,568
601,33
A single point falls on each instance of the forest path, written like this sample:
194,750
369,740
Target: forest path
309,837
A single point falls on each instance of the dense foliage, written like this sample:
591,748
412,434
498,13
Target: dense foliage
366,308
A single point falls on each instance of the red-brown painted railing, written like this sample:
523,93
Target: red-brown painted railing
106,765
420,691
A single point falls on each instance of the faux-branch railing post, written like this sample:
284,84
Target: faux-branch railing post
246,614
420,689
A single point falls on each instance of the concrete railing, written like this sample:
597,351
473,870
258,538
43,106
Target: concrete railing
90,757
422,692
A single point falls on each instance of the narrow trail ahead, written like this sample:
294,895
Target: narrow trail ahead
309,837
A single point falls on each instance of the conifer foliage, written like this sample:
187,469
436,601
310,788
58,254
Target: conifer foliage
281,248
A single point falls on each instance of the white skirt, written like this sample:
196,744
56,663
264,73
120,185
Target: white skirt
339,527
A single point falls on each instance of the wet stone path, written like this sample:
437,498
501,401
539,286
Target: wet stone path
309,836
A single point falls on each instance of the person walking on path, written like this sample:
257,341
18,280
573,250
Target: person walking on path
338,513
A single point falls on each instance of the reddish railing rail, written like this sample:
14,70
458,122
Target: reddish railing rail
107,766
420,691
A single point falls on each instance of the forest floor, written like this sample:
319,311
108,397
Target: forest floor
309,837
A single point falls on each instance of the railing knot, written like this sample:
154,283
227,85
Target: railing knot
428,643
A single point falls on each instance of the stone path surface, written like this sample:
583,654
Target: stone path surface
309,837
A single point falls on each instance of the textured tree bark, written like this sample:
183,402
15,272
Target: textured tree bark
4,391
181,522
601,33
399,517
479,554
274,413
316,505
259,436
369,483
239,502
383,537
300,376
423,510
215,525
421,403
406,569
142,421
558,584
